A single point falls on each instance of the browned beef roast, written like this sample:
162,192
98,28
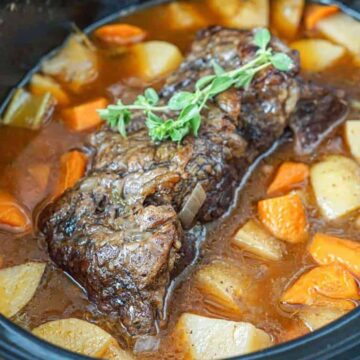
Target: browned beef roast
117,232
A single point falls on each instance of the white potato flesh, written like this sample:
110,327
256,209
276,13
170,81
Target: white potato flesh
156,58
318,54
81,337
254,238
242,14
184,16
204,338
223,285
343,30
336,184
317,317
18,285
352,137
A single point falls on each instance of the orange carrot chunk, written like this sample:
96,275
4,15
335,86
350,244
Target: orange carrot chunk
288,176
314,13
285,217
11,213
120,34
72,168
84,116
329,285
326,249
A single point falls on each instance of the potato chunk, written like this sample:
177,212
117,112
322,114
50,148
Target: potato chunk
255,239
342,29
242,14
81,337
317,54
286,16
336,184
352,137
40,85
156,58
223,284
203,338
18,285
317,317
184,16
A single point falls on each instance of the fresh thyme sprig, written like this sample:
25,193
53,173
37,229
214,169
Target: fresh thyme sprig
188,105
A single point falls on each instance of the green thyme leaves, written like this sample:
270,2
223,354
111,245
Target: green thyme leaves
188,105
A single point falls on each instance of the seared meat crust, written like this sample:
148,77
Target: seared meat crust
117,232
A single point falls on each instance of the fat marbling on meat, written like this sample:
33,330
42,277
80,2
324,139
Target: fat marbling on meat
117,231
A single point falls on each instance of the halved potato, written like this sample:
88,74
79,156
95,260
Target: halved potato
156,58
342,29
18,285
254,238
204,338
317,317
336,184
352,137
223,285
183,16
286,16
81,337
242,14
317,54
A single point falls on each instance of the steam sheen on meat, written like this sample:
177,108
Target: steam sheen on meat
117,231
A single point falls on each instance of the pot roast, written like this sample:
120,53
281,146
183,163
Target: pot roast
118,233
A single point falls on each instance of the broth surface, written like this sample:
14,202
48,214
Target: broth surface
59,297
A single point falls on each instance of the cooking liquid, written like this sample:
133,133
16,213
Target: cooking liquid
59,297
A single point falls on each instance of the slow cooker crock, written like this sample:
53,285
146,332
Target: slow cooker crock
31,28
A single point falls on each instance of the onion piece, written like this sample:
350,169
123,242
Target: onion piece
146,344
192,206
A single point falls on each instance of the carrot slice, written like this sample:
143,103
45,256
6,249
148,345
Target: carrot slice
326,249
285,217
120,34
288,176
328,285
314,13
72,168
84,116
11,213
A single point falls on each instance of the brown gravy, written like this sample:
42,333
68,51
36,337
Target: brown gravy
59,297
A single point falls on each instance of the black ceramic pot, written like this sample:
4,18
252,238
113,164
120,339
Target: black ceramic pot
31,28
